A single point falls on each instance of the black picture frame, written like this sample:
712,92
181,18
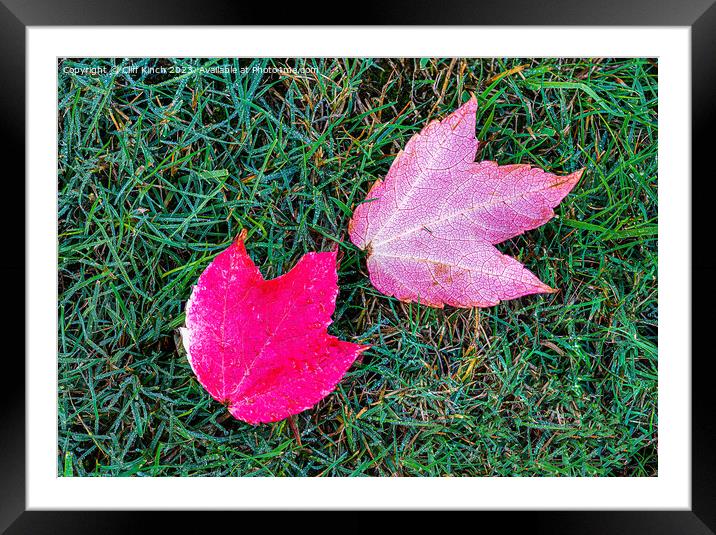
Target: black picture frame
699,15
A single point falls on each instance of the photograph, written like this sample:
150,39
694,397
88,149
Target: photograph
357,267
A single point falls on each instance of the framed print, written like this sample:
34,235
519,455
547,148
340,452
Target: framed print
366,267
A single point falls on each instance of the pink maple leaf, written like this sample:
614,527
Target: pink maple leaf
431,226
261,346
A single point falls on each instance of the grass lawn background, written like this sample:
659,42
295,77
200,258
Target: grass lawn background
159,172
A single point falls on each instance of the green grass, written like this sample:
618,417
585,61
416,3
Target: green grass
158,172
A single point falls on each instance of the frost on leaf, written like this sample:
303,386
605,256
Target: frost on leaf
431,226
261,346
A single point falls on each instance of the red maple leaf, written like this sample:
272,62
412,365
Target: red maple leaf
261,346
431,226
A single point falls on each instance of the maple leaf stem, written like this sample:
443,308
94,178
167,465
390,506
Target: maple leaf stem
294,428
242,235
